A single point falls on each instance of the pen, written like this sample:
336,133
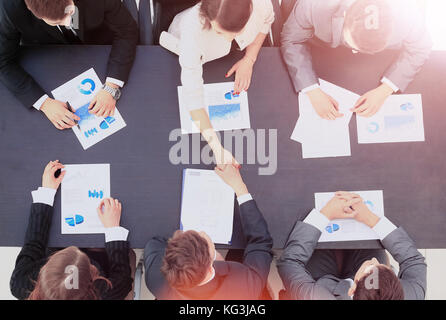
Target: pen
71,110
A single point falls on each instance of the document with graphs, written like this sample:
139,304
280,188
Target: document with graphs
83,188
226,109
207,205
79,92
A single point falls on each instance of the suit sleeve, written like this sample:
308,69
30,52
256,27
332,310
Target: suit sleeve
153,259
291,266
120,272
126,36
295,51
258,253
12,75
33,254
416,50
412,264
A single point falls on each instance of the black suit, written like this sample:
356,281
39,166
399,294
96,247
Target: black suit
34,255
100,22
233,280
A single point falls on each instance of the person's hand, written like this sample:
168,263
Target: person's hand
325,106
363,214
231,176
109,212
103,104
339,207
48,178
243,74
59,115
372,101
223,157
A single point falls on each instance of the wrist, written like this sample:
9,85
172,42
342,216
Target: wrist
250,59
241,189
326,213
114,86
386,89
371,220
45,104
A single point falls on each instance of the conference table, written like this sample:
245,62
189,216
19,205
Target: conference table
411,175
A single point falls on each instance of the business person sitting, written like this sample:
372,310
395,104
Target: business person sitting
204,33
187,266
365,26
70,274
37,22
310,274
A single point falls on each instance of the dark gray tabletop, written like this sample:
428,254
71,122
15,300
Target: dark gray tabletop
412,175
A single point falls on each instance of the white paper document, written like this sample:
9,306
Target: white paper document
226,110
79,92
83,188
325,138
400,119
350,229
207,205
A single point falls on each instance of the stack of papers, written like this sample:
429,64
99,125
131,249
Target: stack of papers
83,188
207,205
400,119
350,229
79,92
325,138
226,110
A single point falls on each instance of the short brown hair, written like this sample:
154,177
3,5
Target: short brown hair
370,40
389,287
50,284
186,260
231,15
49,9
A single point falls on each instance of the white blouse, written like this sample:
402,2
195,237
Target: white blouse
197,45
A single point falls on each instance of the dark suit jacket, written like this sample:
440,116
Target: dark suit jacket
300,284
233,280
100,22
34,255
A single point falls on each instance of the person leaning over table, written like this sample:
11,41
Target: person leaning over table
204,33
42,275
364,26
38,22
310,274
188,267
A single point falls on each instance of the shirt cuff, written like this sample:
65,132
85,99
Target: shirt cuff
309,88
317,220
390,84
244,198
383,228
44,195
116,234
38,104
115,81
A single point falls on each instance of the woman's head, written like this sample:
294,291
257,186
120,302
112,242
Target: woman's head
68,275
226,17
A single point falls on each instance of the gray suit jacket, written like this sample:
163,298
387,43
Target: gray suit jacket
324,20
300,284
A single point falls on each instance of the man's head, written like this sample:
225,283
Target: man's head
52,12
368,25
188,259
375,281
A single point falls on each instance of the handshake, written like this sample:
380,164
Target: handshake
347,205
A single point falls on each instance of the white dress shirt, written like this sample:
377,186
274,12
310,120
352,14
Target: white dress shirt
46,196
197,45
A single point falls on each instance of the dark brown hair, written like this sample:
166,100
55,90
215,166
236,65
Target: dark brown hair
48,9
369,40
186,260
389,287
231,15
50,284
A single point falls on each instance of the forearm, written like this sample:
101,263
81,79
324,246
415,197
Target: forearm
203,123
252,51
